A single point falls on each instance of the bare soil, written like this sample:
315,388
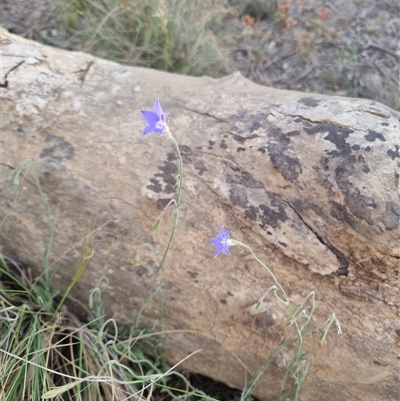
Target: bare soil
341,47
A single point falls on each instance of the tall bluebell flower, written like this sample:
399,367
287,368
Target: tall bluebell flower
222,242
156,120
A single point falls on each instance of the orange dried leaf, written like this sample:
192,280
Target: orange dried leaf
324,13
249,19
289,22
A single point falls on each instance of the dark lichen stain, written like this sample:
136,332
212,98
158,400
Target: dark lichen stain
161,203
309,102
366,169
186,153
223,301
185,149
355,147
60,150
267,215
300,205
171,157
336,135
223,145
168,175
252,212
385,124
239,139
211,143
391,218
240,149
360,159
393,154
359,205
339,212
288,166
397,331
278,136
192,274
372,136
200,167
50,152
270,320
50,164
247,123
242,177
325,161
272,218
368,148
141,270
156,186
327,184
379,363
238,196
256,126
351,159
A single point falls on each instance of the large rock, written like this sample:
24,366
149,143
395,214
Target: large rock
310,182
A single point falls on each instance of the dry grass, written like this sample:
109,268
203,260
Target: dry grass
169,35
55,356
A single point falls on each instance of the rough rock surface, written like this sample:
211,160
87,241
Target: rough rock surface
310,182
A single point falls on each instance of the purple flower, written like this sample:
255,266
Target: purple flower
156,119
222,242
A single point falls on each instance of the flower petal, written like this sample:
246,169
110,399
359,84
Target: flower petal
149,129
157,108
226,251
150,117
156,120
164,116
216,241
222,242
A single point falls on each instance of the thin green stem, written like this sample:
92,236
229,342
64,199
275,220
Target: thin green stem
277,283
180,169
179,199
294,367
176,204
